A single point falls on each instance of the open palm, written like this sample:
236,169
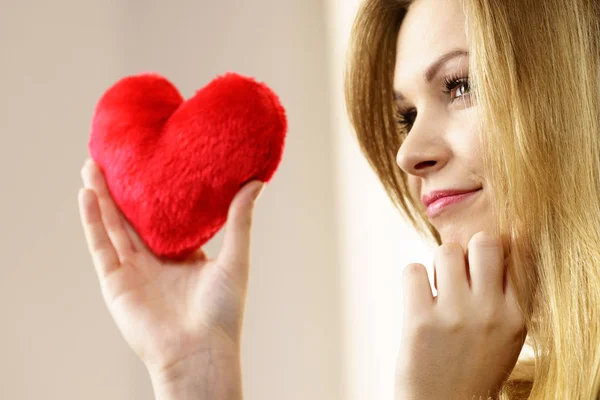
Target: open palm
168,311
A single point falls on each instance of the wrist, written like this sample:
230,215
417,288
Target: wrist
201,377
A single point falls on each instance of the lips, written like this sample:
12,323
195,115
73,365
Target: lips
438,201
434,196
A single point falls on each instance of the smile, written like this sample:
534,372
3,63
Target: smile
445,203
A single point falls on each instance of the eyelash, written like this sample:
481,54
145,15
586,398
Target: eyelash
450,82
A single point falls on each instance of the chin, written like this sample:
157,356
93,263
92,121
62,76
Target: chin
459,227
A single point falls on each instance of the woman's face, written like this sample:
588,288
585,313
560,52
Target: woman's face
441,149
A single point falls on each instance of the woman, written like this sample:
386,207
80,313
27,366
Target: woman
512,112
515,121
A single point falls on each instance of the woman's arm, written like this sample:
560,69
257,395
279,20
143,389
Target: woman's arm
182,318
204,377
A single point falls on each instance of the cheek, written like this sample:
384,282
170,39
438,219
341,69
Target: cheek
468,148
414,185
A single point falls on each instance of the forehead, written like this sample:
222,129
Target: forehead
430,29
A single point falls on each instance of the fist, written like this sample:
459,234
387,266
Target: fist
464,342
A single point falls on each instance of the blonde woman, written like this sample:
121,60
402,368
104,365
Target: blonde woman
495,98
498,100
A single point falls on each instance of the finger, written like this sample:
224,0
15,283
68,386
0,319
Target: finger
235,251
416,290
113,220
486,264
451,274
138,243
104,255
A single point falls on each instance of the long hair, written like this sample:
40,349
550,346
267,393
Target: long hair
535,74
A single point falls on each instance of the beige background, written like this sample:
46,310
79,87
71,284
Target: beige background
322,314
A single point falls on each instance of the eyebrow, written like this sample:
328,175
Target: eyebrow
435,67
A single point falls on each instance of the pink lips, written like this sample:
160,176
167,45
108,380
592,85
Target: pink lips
437,206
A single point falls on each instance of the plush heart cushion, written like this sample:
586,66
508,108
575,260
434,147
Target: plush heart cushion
174,166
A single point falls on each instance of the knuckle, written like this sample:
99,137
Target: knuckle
130,258
489,320
224,274
113,222
449,248
484,239
454,323
413,270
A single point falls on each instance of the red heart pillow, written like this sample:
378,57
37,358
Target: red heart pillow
174,166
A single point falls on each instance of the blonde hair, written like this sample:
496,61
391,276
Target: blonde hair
535,74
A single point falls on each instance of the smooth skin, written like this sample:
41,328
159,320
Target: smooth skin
464,342
183,319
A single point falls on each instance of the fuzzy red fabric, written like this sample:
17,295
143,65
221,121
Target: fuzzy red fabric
174,166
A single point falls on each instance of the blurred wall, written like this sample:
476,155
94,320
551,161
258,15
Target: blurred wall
57,340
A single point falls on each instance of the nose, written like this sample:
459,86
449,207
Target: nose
422,152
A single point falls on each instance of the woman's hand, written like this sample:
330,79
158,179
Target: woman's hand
463,343
178,317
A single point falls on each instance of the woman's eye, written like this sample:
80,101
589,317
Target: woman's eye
462,85
406,120
454,85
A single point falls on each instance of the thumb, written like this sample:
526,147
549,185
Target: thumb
235,250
